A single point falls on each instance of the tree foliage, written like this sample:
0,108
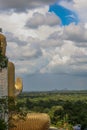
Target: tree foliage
64,109
3,125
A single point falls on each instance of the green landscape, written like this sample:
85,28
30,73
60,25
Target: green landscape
65,108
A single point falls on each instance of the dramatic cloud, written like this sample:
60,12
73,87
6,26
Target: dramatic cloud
36,41
41,48
61,52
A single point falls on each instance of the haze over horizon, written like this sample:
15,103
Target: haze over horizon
47,41
51,82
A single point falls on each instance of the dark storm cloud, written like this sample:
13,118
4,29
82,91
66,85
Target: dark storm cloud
22,5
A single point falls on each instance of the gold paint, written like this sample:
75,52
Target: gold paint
11,79
18,85
33,121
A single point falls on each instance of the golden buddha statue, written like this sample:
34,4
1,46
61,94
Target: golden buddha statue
14,87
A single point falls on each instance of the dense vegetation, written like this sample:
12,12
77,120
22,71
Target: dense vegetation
65,109
9,108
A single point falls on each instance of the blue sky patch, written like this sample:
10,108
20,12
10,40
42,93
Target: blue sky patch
66,16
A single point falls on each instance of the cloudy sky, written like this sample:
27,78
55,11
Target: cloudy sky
47,41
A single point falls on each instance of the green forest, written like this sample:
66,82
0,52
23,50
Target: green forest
65,108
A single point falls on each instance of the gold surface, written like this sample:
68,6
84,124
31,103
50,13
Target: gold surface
18,85
14,87
11,79
34,121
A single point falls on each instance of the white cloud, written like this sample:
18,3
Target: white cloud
49,47
81,7
66,59
67,4
22,52
76,33
39,19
